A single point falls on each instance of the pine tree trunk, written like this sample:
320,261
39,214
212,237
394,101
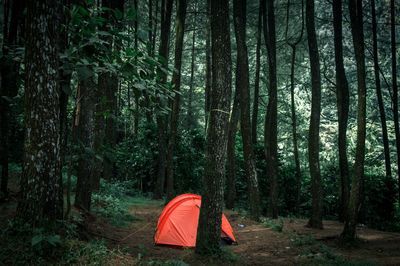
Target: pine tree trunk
254,121
166,10
190,118
209,229
271,117
381,105
313,137
293,46
242,84
342,92
356,19
40,182
395,88
230,194
176,80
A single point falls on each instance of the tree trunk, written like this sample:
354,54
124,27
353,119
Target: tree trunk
395,88
242,84
313,137
356,19
190,118
176,80
209,229
254,121
382,114
208,68
293,46
271,117
166,10
13,20
40,183
230,194
342,92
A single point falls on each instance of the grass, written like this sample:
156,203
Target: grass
276,225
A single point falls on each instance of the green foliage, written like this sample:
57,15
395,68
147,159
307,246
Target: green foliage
276,225
112,202
166,263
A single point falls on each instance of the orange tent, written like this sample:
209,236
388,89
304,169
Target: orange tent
178,222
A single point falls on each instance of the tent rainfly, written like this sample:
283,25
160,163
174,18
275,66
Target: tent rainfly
177,225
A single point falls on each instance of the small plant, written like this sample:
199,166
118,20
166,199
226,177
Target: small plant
275,225
302,240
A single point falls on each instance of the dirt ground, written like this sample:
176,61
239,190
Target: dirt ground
257,244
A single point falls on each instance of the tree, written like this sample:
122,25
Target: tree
176,81
208,67
230,194
209,229
254,121
313,135
40,182
242,84
166,10
394,85
271,118
293,44
356,20
191,122
378,89
342,92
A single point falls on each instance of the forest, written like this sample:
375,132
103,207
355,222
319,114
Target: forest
277,120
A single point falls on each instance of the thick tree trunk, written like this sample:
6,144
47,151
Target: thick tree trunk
166,10
176,80
242,84
40,183
230,193
271,117
356,19
254,121
395,88
293,45
313,137
342,92
209,230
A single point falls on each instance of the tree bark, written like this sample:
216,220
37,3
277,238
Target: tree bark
342,92
40,182
254,121
166,10
356,20
381,105
209,229
293,46
242,84
176,81
271,117
313,137
230,194
395,88
190,118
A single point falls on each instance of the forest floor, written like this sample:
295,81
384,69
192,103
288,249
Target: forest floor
122,240
281,242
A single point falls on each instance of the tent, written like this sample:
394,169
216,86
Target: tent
178,223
